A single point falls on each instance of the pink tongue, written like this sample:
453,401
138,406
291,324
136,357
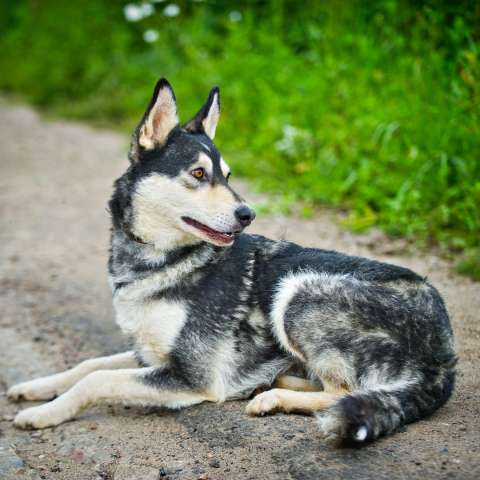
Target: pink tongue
220,236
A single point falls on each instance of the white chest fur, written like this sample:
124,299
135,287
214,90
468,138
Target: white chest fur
155,324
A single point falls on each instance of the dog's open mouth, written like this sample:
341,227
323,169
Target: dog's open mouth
215,235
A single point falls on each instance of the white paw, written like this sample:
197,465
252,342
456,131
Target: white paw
39,389
37,417
263,403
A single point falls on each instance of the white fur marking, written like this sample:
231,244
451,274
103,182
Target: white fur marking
361,434
286,290
224,167
288,287
154,324
204,145
204,161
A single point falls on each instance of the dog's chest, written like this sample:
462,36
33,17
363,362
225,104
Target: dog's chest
154,324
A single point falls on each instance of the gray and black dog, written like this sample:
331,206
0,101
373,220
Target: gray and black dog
216,314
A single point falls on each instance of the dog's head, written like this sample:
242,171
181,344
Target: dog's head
176,189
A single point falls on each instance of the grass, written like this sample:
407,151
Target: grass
372,106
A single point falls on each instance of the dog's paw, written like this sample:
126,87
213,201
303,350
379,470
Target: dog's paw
39,389
34,418
266,402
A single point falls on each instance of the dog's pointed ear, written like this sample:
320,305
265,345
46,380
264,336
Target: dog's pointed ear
158,121
206,120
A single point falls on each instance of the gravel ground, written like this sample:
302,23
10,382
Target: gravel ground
55,179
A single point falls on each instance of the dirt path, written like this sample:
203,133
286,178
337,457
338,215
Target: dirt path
55,179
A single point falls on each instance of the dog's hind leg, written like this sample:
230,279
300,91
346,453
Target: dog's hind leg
290,382
46,388
282,400
140,386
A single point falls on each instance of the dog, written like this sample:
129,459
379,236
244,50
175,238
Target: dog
215,314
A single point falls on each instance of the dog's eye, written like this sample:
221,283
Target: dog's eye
198,173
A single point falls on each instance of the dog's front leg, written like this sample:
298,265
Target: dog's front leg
141,386
46,388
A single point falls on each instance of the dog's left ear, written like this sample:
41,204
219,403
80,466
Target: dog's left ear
206,120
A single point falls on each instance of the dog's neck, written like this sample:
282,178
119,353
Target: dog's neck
133,260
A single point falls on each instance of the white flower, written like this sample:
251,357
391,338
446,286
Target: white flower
171,10
288,144
150,36
132,12
147,9
135,13
235,16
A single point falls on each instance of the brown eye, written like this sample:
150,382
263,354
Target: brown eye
198,173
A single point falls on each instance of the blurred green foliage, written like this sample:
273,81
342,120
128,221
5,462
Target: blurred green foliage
372,106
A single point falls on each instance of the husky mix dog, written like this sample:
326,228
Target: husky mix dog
216,314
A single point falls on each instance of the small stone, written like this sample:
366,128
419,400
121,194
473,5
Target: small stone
77,455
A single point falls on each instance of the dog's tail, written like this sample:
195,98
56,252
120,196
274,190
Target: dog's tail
363,416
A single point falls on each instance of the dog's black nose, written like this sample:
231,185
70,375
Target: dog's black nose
244,215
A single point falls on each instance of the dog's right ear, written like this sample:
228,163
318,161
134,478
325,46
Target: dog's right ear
158,121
